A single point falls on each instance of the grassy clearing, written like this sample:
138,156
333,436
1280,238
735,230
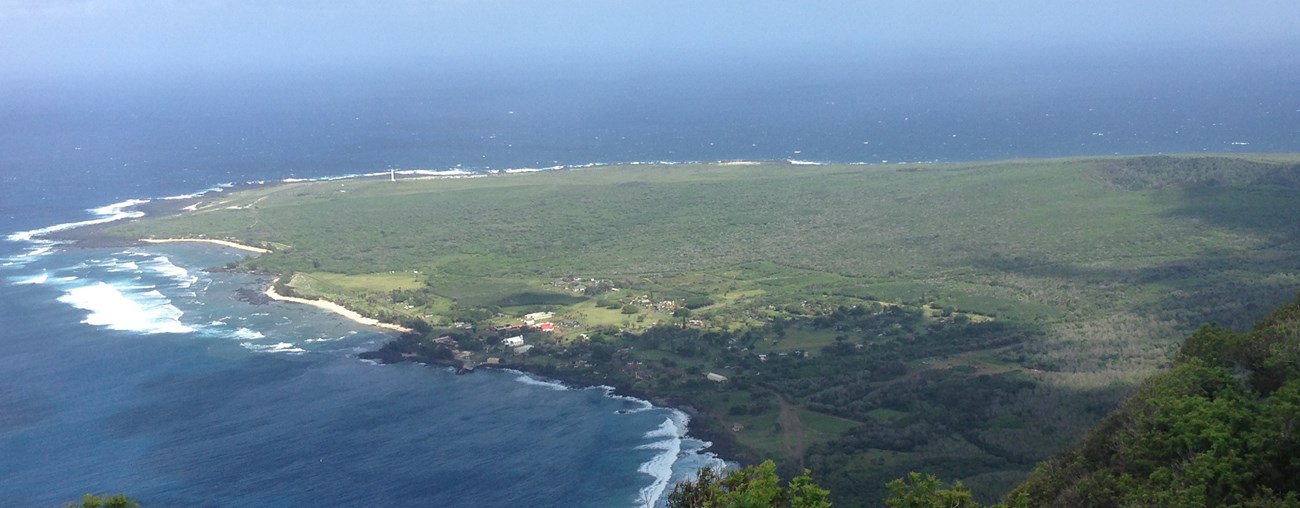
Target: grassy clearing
373,282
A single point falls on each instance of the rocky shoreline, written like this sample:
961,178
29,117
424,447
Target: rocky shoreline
723,442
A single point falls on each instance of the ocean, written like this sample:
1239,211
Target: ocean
135,370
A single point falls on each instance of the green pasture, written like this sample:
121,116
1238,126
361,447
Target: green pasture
1056,240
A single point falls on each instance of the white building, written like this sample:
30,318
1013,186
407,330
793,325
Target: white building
515,341
716,378
538,316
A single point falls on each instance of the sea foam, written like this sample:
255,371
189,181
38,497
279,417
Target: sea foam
279,347
106,213
529,380
642,405
132,311
246,334
661,466
31,279
192,195
161,265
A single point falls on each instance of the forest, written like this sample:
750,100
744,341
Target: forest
967,320
1216,429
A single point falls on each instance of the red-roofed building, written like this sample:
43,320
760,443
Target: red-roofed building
546,327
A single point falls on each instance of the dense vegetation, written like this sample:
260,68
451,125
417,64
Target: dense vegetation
1220,428
966,320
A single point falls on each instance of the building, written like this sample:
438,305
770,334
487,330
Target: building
716,378
523,349
529,319
515,341
445,340
546,327
507,329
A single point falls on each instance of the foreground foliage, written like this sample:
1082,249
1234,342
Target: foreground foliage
752,487
106,501
927,491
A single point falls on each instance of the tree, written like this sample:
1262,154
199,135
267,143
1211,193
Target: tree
695,302
926,491
684,314
751,487
117,501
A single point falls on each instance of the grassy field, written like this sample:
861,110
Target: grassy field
1107,260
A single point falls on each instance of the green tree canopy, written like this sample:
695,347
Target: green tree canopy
107,501
751,487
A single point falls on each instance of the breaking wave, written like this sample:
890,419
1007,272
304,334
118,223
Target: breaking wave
660,467
279,347
246,334
31,279
131,311
106,213
163,266
530,380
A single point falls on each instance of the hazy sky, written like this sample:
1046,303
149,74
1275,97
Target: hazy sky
53,38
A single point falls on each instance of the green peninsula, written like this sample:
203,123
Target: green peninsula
861,321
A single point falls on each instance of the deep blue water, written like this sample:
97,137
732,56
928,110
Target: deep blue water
133,370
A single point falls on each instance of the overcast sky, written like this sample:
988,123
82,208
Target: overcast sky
52,38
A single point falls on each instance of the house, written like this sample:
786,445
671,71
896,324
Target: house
515,341
716,378
537,316
523,349
546,327
507,329
492,360
445,340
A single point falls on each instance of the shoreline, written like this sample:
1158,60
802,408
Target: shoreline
224,243
723,443
334,308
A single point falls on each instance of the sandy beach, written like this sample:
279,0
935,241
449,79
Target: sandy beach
335,308
225,243
270,291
